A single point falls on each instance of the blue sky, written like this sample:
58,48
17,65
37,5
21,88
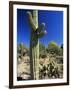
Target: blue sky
54,26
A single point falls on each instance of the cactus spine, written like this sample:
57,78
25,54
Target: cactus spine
36,33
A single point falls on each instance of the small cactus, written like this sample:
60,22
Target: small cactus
36,33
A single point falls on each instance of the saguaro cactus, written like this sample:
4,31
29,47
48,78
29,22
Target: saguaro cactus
36,33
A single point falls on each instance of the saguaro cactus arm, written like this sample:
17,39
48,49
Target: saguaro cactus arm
41,34
41,27
41,30
31,21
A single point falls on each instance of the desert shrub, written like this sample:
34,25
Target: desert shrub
42,72
43,54
53,71
53,48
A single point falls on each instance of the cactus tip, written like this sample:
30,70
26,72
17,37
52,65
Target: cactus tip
43,24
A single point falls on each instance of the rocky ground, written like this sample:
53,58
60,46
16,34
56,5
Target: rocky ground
50,67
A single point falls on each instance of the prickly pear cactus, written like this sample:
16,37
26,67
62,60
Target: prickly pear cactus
36,33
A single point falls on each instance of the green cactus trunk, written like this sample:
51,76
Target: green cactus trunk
34,49
37,31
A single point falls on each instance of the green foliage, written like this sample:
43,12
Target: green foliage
53,48
52,45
